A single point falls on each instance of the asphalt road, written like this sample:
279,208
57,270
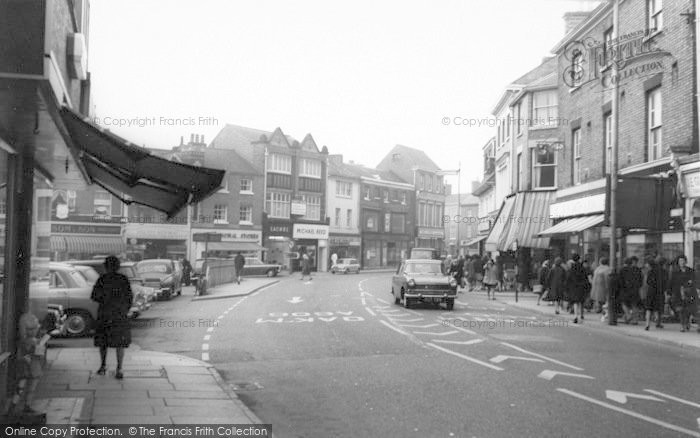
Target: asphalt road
335,357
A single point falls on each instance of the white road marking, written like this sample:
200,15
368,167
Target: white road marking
365,294
465,357
210,329
207,337
370,311
307,282
470,342
522,350
418,326
461,329
397,330
364,301
205,347
400,315
220,317
621,397
390,311
501,358
406,320
451,332
205,357
631,413
549,375
670,397
254,294
382,301
295,300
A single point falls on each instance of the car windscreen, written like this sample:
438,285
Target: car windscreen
198,264
347,261
158,267
422,254
78,279
128,271
423,268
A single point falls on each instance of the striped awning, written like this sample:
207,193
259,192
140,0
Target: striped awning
475,241
57,244
501,226
574,225
94,245
520,222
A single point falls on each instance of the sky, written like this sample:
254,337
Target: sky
360,76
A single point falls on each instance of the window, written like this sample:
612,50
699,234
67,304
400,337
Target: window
403,198
544,108
508,122
337,217
654,123
519,176
343,189
387,222
278,204
519,118
224,188
422,181
437,184
575,75
607,47
310,168
102,203
348,218
220,213
422,214
3,208
245,214
607,143
398,223
431,215
576,146
386,196
313,207
279,163
368,193
654,11
429,183
247,185
544,168
371,221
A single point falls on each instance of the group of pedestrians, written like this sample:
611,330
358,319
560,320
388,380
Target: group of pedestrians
650,287
476,273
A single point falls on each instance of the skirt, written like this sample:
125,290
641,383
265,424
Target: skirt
113,334
655,302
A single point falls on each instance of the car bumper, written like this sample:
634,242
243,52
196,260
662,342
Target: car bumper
427,294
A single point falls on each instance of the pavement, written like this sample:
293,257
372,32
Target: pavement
670,334
232,290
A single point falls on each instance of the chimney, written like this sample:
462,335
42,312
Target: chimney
191,138
182,140
573,19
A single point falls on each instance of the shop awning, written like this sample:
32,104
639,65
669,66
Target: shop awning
574,225
133,174
57,244
530,217
477,240
94,245
234,246
501,226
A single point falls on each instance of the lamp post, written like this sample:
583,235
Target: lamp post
612,314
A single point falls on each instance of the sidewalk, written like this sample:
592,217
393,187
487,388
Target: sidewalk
232,290
670,334
158,388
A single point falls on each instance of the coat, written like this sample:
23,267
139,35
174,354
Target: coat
657,282
239,262
680,279
577,285
490,277
557,283
631,279
544,277
601,284
112,292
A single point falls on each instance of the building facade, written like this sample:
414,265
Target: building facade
461,224
485,191
343,193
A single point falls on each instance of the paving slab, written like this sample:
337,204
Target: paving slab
132,419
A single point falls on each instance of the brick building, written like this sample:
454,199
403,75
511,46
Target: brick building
343,192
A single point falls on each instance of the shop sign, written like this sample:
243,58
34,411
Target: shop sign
427,233
152,231
85,229
692,184
241,236
59,217
344,241
279,230
577,207
298,208
311,231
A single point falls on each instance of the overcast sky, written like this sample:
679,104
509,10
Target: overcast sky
360,76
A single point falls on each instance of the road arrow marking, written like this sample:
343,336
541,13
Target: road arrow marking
670,397
522,350
621,397
501,358
631,413
470,342
452,332
465,357
295,300
549,374
419,326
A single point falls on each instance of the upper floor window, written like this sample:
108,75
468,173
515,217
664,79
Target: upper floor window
246,185
313,207
607,143
607,47
508,122
654,123
310,168
278,204
224,187
245,215
348,218
386,196
576,147
343,189
403,198
279,163
368,193
337,217
544,168
371,221
430,183
220,213
421,180
655,14
545,108
519,118
102,203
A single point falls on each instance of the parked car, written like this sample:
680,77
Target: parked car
98,264
162,275
51,316
345,266
196,271
129,269
424,253
423,281
253,266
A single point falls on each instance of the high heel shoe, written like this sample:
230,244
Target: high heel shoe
646,328
118,375
102,371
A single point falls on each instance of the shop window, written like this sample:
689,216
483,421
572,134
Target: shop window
102,203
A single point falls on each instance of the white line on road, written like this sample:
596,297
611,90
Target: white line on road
461,329
400,315
370,311
205,357
418,326
405,320
207,337
470,342
364,301
205,347
220,317
210,329
462,356
550,374
451,332
393,328
670,397
500,358
382,301
631,413
390,310
522,350
621,397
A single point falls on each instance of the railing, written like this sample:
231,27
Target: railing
215,272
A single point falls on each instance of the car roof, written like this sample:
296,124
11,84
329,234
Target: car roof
60,265
424,249
90,262
155,260
424,261
126,264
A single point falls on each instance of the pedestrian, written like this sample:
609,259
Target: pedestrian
523,275
186,271
543,276
499,273
239,263
490,279
479,264
631,278
305,266
334,260
683,293
578,287
656,286
447,264
459,271
557,283
112,292
601,285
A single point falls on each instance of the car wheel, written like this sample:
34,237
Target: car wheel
332,271
450,303
271,273
78,323
397,300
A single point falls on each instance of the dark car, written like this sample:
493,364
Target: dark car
162,275
425,254
253,266
423,281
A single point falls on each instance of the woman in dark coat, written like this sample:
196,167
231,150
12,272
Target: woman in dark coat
657,280
557,283
112,292
631,278
683,293
543,278
578,287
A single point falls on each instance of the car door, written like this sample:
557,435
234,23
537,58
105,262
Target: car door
58,288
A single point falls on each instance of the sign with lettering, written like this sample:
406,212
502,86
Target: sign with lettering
85,229
279,230
344,241
311,231
306,317
431,233
298,208
692,184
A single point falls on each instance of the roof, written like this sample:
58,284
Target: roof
600,11
229,160
233,136
402,159
534,78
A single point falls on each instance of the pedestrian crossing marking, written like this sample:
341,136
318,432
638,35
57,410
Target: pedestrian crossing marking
470,342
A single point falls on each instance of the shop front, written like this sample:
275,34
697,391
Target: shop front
381,250
344,246
690,188
86,241
427,237
226,243
152,241
312,239
285,241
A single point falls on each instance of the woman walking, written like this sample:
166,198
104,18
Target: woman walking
490,279
631,278
656,286
112,291
601,285
557,283
683,293
305,266
543,277
577,287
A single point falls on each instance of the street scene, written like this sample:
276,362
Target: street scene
454,219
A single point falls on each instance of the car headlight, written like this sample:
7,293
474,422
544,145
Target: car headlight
453,283
411,283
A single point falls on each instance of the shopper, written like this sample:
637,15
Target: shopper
239,263
683,294
578,287
186,272
499,273
656,285
601,285
631,278
306,266
557,283
543,277
112,292
490,279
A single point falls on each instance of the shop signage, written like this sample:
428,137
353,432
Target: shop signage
153,231
299,208
692,185
577,207
58,217
85,229
279,229
311,231
344,241
427,233
206,237
241,236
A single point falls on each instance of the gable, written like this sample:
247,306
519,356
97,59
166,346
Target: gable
279,139
308,144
